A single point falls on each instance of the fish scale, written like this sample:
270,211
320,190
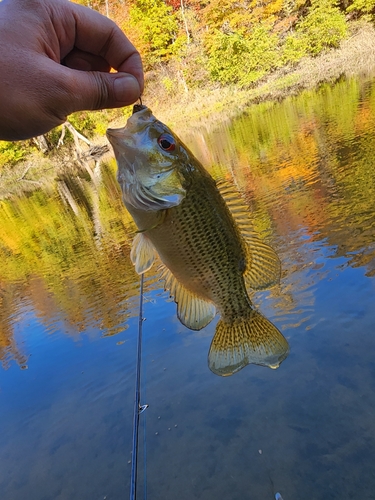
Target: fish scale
210,252
204,239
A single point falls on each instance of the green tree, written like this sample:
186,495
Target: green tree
155,28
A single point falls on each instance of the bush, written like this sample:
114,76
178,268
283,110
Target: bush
237,58
294,48
324,26
363,8
11,152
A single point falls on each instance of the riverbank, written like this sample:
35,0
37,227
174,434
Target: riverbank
204,107
184,110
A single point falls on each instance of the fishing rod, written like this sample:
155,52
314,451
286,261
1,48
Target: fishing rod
138,408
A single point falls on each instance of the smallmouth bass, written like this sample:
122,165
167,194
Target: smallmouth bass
201,232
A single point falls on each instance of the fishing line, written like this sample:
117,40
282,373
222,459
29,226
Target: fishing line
138,409
277,495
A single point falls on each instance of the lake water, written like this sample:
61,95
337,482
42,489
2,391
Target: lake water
69,323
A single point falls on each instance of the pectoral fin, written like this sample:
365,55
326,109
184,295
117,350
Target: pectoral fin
142,253
193,312
251,340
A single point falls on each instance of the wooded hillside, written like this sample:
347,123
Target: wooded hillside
194,44
231,41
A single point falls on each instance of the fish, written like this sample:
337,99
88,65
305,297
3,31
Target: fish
201,231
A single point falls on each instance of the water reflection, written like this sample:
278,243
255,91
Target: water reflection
65,256
306,168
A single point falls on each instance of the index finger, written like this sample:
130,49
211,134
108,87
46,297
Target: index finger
98,35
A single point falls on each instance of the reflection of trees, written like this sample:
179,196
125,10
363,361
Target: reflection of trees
305,166
51,257
308,164
8,309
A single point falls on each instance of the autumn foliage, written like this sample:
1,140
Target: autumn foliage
191,44
238,41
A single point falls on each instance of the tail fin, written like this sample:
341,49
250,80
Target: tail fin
251,340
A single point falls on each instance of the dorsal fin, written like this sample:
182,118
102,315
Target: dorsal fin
262,263
193,312
237,207
263,266
142,253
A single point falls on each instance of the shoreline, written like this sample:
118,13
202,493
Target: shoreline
205,108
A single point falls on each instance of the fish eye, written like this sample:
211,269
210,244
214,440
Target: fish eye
167,142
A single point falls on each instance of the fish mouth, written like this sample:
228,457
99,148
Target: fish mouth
120,137
138,107
115,132
142,116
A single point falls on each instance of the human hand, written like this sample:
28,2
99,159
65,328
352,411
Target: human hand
55,58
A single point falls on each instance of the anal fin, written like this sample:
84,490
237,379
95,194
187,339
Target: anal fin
193,312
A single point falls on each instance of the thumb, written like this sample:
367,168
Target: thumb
89,90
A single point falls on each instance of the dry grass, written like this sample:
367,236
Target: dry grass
356,55
209,105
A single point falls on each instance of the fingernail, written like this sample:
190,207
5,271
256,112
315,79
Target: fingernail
126,88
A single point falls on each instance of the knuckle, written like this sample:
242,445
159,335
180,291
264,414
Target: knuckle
101,97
